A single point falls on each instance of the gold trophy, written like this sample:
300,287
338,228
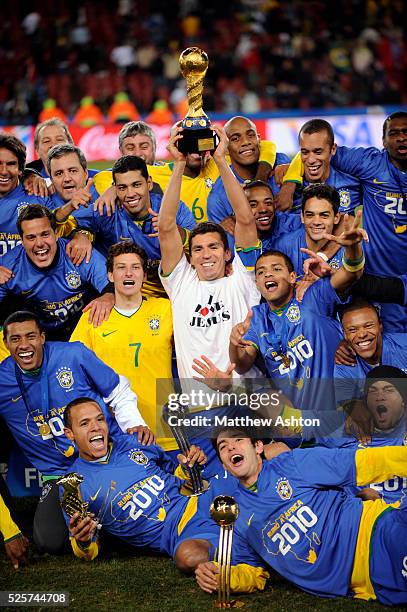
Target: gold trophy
197,134
224,510
194,484
71,497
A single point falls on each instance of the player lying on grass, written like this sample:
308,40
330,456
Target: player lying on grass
318,537
134,498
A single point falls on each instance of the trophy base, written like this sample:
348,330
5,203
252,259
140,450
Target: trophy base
234,603
187,490
197,136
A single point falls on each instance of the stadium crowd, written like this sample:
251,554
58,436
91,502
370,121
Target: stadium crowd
264,55
227,273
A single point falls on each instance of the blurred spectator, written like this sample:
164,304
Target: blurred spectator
50,110
122,109
88,113
262,54
161,114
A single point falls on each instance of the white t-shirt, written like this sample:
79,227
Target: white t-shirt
204,313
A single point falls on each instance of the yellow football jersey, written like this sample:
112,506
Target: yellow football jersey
4,352
194,191
138,347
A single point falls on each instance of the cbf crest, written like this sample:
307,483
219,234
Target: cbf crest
284,489
65,377
344,198
73,279
138,456
154,323
293,313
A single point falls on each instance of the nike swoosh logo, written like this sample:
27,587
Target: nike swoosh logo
104,334
14,400
93,497
124,238
26,292
376,182
250,520
264,334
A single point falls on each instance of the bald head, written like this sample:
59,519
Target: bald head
244,146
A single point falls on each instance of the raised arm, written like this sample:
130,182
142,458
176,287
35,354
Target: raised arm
245,229
168,234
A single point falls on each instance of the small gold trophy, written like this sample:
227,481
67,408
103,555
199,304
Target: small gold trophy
224,511
71,497
197,134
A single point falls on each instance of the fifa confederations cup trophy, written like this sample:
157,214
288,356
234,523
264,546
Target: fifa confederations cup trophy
198,136
224,511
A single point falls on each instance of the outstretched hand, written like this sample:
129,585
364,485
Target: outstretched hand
352,233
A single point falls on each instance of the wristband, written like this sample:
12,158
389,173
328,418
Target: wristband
323,256
347,264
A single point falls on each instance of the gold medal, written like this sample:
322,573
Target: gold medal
44,429
286,360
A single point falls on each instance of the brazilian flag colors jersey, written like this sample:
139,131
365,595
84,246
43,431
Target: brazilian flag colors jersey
58,293
291,243
68,371
138,347
136,498
306,335
10,207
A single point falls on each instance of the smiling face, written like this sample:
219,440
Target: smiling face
239,457
89,430
133,192
244,142
128,275
395,141
274,280
140,145
263,208
208,256
25,342
39,240
48,137
68,175
9,171
363,330
318,218
316,154
385,404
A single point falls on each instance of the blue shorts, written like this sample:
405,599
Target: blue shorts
388,556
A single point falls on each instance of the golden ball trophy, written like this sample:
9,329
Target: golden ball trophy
198,136
224,510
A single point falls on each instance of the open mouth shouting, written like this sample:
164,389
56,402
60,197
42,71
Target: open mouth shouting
270,286
97,442
26,357
237,459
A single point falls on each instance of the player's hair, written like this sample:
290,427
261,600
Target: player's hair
62,150
127,163
397,115
14,145
134,128
321,191
273,252
314,126
249,121
207,227
231,432
21,316
257,183
357,303
35,211
77,402
124,248
48,123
